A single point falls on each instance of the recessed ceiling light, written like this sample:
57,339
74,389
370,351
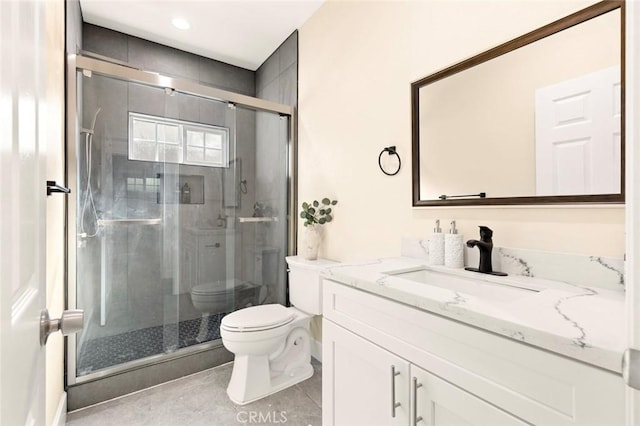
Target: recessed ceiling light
180,23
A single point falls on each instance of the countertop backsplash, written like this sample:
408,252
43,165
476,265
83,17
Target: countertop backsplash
584,270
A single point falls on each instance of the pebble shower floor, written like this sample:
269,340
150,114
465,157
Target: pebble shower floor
104,352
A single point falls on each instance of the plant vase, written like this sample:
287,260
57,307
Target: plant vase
310,242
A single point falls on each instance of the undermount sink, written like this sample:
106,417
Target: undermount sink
418,280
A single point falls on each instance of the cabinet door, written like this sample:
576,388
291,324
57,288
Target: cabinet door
436,402
359,387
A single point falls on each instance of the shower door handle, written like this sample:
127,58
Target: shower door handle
70,322
52,187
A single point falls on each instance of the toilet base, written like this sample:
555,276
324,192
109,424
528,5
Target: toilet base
248,384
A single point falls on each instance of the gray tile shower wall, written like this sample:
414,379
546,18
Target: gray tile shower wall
277,77
167,60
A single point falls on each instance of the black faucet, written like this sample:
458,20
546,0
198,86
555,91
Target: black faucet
485,245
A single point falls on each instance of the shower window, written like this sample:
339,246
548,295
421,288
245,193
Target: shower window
141,184
173,141
206,146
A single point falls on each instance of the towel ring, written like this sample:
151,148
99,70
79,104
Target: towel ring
392,151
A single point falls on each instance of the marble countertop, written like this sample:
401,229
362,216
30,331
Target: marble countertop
583,323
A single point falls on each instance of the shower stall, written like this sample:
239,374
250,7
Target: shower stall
180,213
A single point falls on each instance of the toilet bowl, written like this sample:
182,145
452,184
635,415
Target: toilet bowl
272,343
222,297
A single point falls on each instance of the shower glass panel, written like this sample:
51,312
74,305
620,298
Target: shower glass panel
181,218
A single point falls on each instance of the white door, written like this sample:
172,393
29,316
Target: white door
358,388
578,135
24,123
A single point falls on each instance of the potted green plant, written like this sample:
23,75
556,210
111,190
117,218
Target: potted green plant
314,214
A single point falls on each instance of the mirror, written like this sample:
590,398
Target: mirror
536,120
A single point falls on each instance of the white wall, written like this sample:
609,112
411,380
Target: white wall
357,60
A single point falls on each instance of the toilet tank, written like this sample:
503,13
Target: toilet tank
305,283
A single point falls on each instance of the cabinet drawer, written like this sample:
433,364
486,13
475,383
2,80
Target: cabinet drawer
535,385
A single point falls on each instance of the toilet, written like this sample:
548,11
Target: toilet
271,343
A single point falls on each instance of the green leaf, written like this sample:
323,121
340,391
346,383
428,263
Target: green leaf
329,218
311,211
328,211
322,221
322,211
315,203
305,205
303,215
326,201
334,202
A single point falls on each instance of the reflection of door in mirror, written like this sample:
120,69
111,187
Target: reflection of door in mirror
538,119
578,135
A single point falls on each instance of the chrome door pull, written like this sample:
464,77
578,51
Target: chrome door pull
416,386
394,404
70,322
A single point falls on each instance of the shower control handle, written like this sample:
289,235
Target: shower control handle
70,322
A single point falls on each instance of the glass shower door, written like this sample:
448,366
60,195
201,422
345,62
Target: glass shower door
179,217
150,216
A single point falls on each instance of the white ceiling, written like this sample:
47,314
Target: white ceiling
238,32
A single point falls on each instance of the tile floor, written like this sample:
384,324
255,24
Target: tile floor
201,399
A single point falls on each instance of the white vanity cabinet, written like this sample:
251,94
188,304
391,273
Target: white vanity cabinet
448,372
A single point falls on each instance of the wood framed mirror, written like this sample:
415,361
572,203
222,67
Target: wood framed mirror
536,120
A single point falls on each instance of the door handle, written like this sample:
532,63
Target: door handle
52,187
416,386
394,404
70,322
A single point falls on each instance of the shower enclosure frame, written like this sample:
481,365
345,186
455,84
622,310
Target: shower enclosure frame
100,65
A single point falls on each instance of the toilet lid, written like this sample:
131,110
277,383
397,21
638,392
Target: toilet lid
257,318
217,287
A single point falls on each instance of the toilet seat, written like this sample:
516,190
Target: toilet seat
257,318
